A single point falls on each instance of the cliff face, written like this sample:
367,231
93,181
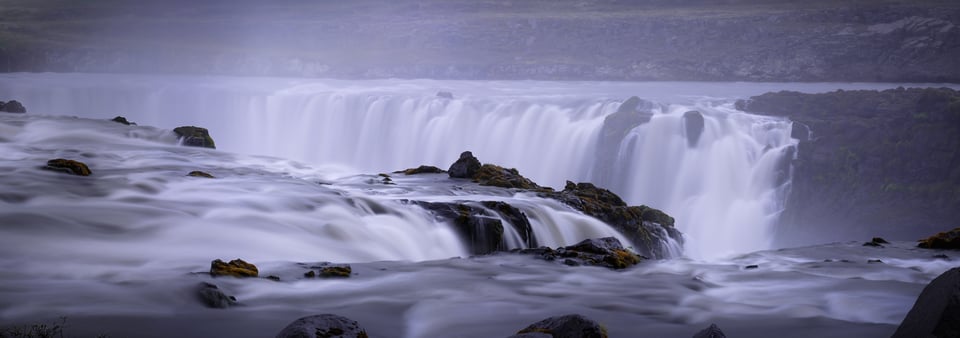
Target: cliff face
870,163
742,40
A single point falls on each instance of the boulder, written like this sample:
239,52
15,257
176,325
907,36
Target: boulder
692,127
68,166
497,176
711,332
236,268
568,326
482,232
123,120
424,169
606,252
336,271
944,240
211,296
516,218
197,173
937,310
195,137
13,106
323,326
465,167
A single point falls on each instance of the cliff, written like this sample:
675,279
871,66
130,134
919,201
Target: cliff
883,163
734,40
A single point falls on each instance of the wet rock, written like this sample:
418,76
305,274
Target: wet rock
751,267
606,252
445,95
197,173
936,312
310,274
68,166
123,120
482,232
236,268
711,332
942,256
568,326
879,240
465,167
632,113
323,326
13,106
497,176
516,218
211,296
273,278
424,169
873,244
944,240
693,127
195,137
337,271
873,261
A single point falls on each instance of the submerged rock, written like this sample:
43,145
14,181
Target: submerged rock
944,240
211,296
342,271
465,167
607,252
424,169
693,127
568,326
236,268
323,326
68,166
197,173
711,332
123,120
937,310
13,106
195,137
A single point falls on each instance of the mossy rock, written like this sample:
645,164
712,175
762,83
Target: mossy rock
197,173
235,268
944,240
497,176
342,271
68,166
195,137
424,169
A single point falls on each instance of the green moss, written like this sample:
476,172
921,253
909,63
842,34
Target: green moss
336,271
68,166
235,268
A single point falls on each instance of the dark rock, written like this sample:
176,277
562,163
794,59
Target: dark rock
569,326
465,167
424,169
337,271
211,296
195,137
873,244
936,312
944,240
516,218
711,332
482,232
879,240
310,274
68,166
236,268
942,256
445,95
197,173
497,176
751,267
273,278
693,127
123,120
606,252
13,106
323,326
632,113
871,261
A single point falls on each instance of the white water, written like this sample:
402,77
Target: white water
722,191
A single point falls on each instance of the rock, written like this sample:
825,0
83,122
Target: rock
568,326
516,218
323,326
751,267
944,240
310,274
879,240
482,232
424,169
871,261
942,256
197,173
606,252
497,176
936,312
445,95
465,167
211,296
340,271
873,244
532,335
236,268
195,137
123,120
632,113
711,332
13,106
692,127
273,278
68,166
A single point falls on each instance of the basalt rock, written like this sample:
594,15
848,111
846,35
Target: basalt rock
235,268
211,296
68,166
323,326
465,167
606,252
568,326
944,240
424,169
13,106
123,120
195,137
936,312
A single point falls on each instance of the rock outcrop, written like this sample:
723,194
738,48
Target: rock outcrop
12,106
68,166
424,169
937,310
944,240
323,326
497,176
631,113
606,252
869,162
195,137
465,167
211,296
480,224
122,120
568,326
235,268
693,125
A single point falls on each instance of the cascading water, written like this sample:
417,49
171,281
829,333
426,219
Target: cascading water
722,190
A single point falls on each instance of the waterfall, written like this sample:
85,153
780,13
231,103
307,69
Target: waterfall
724,189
